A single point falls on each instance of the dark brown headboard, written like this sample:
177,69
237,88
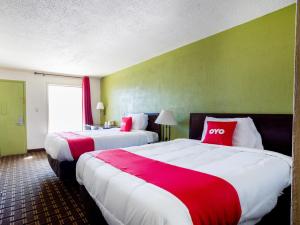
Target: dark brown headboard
153,126
275,129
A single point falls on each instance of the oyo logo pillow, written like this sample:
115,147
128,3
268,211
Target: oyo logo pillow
220,133
126,124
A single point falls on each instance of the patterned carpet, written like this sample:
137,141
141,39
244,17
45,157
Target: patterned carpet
30,193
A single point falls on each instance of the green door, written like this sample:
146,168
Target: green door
12,118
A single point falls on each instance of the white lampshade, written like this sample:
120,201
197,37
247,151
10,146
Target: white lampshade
166,117
100,106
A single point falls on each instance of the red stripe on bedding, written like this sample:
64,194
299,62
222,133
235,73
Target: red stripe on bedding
78,144
209,199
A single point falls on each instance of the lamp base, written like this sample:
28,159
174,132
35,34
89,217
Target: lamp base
166,133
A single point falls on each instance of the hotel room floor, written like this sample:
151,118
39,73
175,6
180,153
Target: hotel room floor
30,193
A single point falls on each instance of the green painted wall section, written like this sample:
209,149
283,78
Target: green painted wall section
247,69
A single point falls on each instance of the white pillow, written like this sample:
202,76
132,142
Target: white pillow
145,121
258,143
245,134
139,121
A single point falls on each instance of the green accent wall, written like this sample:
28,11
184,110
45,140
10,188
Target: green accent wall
247,69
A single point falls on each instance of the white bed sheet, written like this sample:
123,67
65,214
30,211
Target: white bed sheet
259,177
58,148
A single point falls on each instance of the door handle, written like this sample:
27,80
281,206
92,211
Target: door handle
20,121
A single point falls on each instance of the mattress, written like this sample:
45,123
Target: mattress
259,177
58,148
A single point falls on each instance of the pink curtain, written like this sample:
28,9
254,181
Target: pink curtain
86,102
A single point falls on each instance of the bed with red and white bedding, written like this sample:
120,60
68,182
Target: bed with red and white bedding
258,177
64,148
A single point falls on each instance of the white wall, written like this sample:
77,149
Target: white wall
37,102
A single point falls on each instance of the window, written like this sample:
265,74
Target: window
65,108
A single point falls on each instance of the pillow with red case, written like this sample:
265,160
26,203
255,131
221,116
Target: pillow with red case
126,124
220,133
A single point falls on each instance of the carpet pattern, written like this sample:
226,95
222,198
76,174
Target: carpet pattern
30,193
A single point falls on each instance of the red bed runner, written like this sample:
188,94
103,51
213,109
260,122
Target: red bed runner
78,144
209,199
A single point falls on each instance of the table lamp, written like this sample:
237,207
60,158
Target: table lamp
166,119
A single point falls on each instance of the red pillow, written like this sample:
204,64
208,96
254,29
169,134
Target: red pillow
219,133
126,124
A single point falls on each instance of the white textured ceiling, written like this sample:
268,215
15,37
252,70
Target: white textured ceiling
97,37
